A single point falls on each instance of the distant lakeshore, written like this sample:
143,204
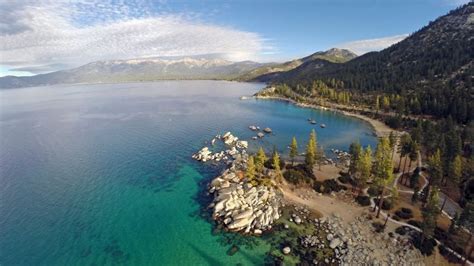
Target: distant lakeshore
380,128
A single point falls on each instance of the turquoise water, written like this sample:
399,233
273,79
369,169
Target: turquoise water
102,174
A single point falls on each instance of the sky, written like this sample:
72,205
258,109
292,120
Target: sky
41,36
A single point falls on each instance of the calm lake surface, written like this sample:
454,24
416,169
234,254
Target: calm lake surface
103,175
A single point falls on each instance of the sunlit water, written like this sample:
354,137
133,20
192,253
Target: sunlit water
102,174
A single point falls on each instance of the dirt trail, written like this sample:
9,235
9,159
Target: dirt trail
322,204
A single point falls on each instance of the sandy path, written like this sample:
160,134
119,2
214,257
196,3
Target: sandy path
322,204
328,171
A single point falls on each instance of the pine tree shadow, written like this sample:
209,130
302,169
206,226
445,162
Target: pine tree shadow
209,259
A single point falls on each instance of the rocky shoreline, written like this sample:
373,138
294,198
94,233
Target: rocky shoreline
235,146
238,205
248,208
330,241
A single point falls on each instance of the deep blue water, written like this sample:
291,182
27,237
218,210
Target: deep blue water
102,174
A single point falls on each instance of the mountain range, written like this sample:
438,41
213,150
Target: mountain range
148,69
167,68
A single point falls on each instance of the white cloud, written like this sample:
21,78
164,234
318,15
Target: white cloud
364,46
52,35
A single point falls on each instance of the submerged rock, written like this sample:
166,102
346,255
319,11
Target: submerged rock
232,250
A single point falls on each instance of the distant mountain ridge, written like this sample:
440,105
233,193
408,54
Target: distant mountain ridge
267,73
146,69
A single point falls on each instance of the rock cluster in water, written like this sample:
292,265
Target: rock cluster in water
238,205
235,145
260,134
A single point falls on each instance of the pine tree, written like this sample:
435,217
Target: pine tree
435,168
415,196
293,150
466,219
430,214
454,224
250,172
377,103
355,150
405,148
382,168
365,168
456,169
393,142
310,158
413,155
260,161
386,103
320,155
276,166
414,179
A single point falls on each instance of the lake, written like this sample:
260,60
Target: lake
102,174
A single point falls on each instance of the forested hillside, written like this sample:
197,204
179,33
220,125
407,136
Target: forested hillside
428,73
266,73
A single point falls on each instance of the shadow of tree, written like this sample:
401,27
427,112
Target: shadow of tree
210,260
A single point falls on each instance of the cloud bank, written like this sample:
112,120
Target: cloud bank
364,46
43,36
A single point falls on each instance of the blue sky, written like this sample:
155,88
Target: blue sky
298,28
42,36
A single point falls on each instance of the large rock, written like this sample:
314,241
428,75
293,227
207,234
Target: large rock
330,237
225,184
240,206
229,139
219,206
203,155
216,182
244,214
241,223
242,144
286,250
335,243
297,220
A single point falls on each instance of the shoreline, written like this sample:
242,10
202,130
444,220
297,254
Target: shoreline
380,129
